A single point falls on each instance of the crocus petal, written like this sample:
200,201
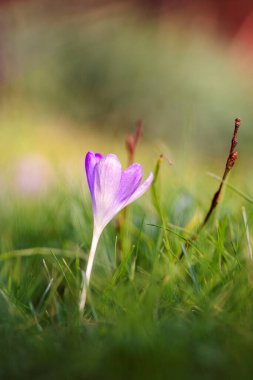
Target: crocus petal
141,189
130,180
91,160
107,176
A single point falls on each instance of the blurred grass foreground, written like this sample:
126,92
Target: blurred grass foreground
74,77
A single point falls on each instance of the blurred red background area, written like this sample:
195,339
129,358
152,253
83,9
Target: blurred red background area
228,15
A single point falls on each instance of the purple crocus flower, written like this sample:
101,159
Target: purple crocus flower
111,190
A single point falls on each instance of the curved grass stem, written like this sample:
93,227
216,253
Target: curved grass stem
87,274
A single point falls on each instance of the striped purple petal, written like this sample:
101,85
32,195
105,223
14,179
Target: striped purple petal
107,176
130,180
141,189
91,160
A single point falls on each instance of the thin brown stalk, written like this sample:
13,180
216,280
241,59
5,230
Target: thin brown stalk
131,141
231,159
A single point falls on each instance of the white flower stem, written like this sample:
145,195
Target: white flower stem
86,276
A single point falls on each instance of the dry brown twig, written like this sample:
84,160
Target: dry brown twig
133,140
232,157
